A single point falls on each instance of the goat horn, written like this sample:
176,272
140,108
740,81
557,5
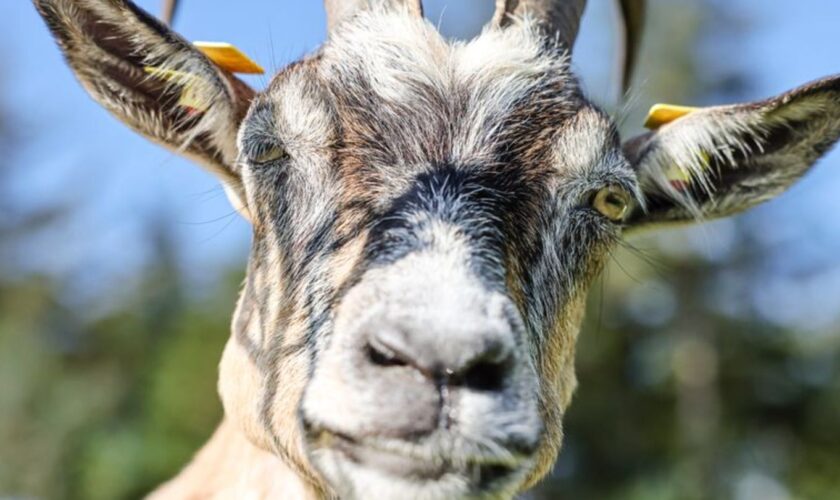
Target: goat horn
339,11
633,21
560,17
168,11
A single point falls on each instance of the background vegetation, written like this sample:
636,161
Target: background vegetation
708,364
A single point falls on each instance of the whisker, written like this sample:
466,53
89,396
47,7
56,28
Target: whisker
211,221
623,269
661,268
232,218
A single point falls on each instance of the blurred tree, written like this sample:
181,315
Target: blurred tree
106,406
686,393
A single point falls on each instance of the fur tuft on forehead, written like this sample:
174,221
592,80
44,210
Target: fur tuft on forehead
396,78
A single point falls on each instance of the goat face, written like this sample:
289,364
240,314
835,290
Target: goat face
424,236
427,218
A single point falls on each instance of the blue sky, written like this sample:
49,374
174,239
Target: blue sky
72,150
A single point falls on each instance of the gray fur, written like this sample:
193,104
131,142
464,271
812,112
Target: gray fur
424,227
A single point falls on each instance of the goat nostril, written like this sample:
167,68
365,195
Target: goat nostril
486,375
381,355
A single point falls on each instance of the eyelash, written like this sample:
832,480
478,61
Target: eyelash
264,153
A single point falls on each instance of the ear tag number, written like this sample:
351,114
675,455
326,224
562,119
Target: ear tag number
663,114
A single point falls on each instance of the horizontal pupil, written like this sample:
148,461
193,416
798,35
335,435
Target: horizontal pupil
616,200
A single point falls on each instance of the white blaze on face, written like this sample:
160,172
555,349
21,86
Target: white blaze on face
434,295
432,283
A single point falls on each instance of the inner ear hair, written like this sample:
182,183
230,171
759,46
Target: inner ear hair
717,161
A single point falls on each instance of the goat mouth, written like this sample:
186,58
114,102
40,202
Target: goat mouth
391,463
483,473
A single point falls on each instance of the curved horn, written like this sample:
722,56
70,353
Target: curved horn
633,23
560,17
168,11
339,11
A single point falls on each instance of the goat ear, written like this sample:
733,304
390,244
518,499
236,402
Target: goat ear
154,81
714,162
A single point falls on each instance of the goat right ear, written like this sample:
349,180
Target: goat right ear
718,161
153,80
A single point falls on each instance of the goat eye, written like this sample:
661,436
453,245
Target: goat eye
267,155
612,202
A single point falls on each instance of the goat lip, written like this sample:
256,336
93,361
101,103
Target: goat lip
406,465
392,463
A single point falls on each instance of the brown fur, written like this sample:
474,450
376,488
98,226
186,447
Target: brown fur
396,174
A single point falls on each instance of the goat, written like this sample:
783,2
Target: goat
427,218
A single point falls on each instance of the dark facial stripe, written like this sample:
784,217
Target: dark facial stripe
482,205
272,379
248,306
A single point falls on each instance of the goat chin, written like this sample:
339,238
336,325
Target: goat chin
352,479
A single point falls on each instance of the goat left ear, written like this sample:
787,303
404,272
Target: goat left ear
154,81
714,162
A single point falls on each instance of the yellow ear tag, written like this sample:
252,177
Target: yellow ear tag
663,114
189,98
229,58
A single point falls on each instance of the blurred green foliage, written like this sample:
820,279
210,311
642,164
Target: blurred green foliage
681,397
106,408
685,393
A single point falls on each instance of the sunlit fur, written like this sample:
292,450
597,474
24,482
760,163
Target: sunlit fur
386,100
736,156
445,184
